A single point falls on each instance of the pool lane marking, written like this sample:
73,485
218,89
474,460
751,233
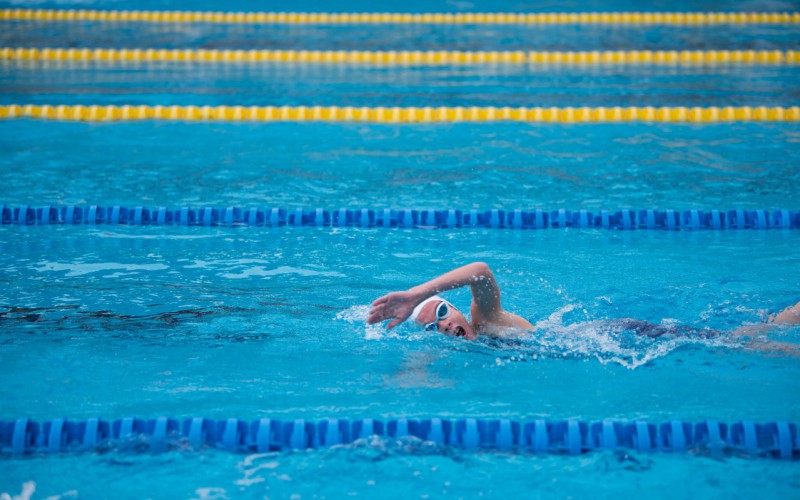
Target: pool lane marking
385,217
690,57
23,437
542,18
94,113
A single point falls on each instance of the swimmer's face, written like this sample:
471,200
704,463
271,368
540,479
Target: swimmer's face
453,325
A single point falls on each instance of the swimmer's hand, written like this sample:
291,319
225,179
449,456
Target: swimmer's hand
396,306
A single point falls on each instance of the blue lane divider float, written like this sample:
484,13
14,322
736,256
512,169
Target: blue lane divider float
771,439
451,218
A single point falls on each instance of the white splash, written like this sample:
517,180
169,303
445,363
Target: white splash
210,494
28,489
596,340
357,317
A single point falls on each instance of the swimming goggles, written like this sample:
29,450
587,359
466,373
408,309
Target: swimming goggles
442,312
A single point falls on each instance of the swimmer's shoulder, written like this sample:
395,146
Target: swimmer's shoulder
519,322
507,325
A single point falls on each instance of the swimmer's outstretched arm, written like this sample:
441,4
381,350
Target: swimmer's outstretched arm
398,306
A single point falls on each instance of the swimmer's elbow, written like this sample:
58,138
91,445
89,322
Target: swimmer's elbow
481,270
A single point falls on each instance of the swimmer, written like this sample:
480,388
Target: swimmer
423,305
430,311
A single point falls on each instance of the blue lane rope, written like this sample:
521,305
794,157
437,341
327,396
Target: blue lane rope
450,218
772,439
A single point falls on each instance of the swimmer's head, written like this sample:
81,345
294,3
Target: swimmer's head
438,314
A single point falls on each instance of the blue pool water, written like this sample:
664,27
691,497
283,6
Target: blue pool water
464,166
404,37
216,322
335,85
252,322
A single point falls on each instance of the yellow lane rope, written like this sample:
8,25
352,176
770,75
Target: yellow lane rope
692,18
408,57
401,115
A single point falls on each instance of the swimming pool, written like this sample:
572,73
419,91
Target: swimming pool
114,321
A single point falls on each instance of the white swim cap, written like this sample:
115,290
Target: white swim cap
419,307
